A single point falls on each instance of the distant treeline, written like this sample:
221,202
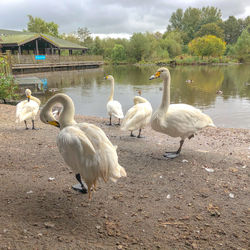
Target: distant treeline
196,33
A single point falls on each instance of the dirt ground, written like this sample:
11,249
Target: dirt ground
197,201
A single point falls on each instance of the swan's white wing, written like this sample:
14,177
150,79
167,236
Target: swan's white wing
115,108
183,120
108,166
26,110
137,117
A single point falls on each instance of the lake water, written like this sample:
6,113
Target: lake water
90,92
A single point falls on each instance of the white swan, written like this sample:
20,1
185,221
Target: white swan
27,109
114,108
138,116
83,146
176,120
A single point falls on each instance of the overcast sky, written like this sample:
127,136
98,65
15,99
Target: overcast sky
108,17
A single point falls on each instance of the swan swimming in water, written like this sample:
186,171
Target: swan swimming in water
27,109
176,120
83,146
138,116
114,108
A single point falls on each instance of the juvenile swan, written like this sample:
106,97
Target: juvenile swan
138,116
176,120
114,108
83,146
27,109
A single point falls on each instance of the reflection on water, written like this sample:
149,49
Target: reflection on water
90,92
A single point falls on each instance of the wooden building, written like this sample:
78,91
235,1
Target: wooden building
19,42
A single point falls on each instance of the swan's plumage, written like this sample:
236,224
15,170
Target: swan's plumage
114,108
138,116
27,109
177,120
83,146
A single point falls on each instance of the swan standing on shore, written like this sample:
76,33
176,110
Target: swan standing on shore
83,146
114,108
138,116
27,109
176,120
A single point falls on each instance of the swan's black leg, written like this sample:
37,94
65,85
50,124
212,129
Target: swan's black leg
110,121
80,186
173,155
26,127
33,125
190,137
119,122
139,135
131,134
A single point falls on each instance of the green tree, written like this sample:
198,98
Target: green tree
232,29
38,25
242,47
139,47
210,15
176,20
210,29
191,22
118,53
207,46
83,34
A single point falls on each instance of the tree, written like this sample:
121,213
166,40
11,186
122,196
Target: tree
83,34
191,22
232,29
118,53
210,29
138,47
207,46
210,15
176,20
242,47
38,25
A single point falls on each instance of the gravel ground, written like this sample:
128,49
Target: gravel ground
197,201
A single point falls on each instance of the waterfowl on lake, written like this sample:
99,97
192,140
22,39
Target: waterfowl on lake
83,146
189,81
176,120
27,109
138,116
219,92
114,108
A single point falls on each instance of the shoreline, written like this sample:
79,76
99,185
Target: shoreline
196,201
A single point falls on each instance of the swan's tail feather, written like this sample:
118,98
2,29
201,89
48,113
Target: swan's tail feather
118,173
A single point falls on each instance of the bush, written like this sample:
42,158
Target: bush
8,88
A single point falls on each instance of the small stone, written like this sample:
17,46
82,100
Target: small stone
98,227
168,196
119,247
231,195
49,225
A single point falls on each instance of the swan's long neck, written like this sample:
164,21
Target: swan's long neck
166,94
66,117
35,99
112,90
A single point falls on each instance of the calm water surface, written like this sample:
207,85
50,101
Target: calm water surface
90,92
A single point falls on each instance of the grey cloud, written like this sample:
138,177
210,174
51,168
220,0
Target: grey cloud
106,16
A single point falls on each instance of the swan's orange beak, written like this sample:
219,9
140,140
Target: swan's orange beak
54,123
156,75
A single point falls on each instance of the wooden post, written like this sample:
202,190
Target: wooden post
37,50
8,53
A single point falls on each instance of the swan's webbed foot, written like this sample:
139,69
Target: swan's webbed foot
139,135
190,137
80,187
131,134
119,122
33,125
171,155
26,127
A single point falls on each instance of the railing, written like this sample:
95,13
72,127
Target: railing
30,59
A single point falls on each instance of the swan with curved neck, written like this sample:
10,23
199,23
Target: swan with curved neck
176,120
138,116
27,109
114,108
83,146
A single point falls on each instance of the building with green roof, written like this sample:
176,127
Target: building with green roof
39,44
